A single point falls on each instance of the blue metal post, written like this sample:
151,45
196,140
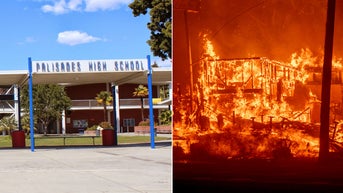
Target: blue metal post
151,108
31,107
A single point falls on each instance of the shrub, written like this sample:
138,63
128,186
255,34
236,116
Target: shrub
166,117
106,125
144,123
92,128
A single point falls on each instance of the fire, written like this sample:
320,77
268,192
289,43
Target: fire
252,108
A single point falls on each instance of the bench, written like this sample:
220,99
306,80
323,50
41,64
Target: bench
164,131
144,130
64,137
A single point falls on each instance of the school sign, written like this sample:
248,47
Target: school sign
79,66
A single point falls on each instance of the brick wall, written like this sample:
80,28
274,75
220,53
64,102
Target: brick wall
94,117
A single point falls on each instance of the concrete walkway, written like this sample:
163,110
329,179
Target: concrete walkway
124,169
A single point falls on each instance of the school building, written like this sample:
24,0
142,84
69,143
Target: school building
83,80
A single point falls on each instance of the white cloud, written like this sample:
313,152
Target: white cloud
75,37
74,5
59,7
65,6
95,5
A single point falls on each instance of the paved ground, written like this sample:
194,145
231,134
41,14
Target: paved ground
124,169
302,175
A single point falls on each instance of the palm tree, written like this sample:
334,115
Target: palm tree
141,91
7,124
104,98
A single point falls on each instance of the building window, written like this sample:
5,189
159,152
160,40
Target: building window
80,123
129,122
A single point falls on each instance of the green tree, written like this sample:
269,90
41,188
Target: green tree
165,117
25,124
104,98
49,101
141,91
164,91
160,24
7,124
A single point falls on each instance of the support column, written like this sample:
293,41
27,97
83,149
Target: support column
151,108
31,107
170,94
170,87
108,115
17,106
158,87
116,112
63,122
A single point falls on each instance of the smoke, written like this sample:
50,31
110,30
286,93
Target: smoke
268,28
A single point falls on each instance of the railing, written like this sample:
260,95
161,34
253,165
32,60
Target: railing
6,107
123,104
92,104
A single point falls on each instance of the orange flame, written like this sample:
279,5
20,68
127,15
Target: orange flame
252,107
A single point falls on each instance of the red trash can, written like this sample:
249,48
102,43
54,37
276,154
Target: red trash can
108,137
18,139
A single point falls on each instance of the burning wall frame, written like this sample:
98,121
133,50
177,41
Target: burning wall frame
258,84
246,97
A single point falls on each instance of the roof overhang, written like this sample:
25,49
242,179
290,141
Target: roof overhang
116,71
8,78
159,76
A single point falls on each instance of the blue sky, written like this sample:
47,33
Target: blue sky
71,29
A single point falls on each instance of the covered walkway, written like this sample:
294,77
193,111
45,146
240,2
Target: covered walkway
81,72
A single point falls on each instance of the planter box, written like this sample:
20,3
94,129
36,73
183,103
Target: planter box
108,137
164,129
92,133
18,139
142,129
158,129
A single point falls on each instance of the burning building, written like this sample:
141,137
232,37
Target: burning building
247,81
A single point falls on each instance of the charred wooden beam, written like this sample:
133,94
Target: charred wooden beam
326,84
